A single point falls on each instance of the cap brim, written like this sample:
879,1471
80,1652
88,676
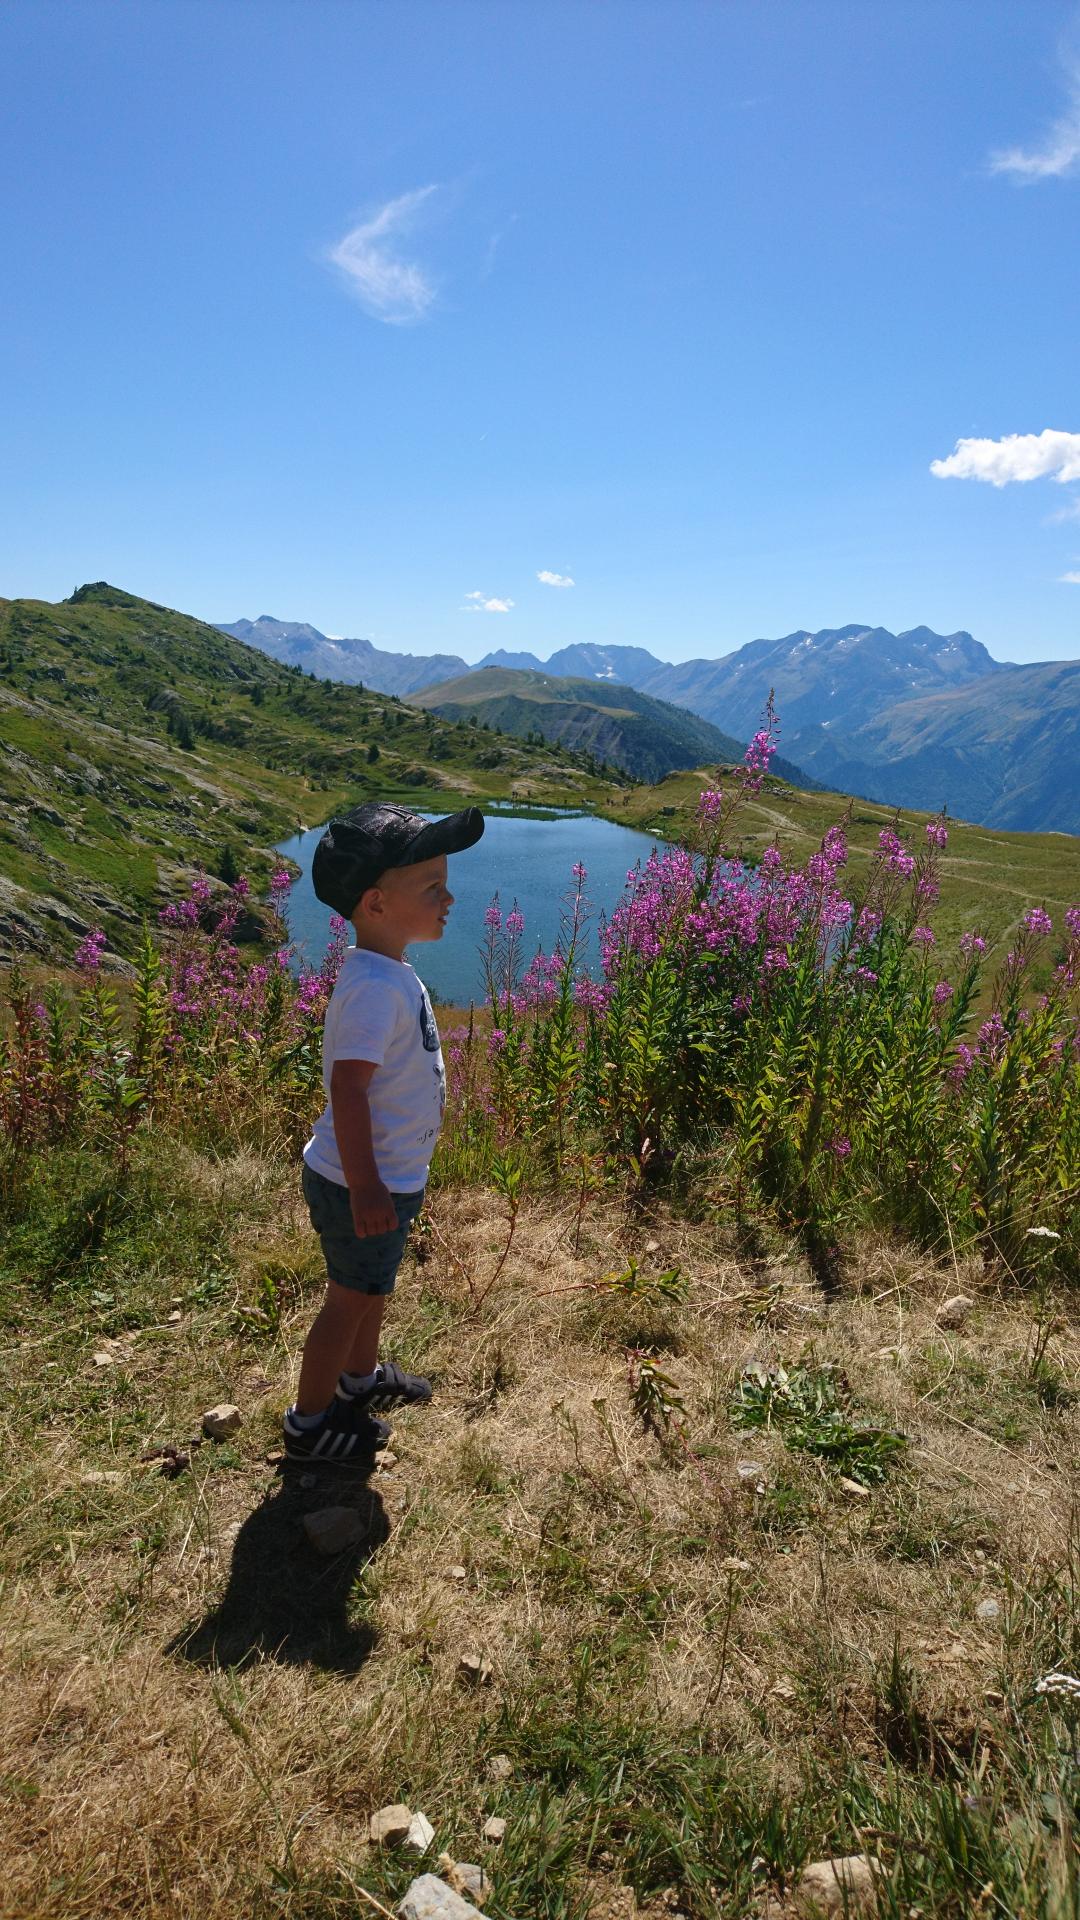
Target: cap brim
452,834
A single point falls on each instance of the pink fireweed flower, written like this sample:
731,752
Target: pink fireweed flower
1072,921
280,884
515,922
760,751
923,936
578,873
593,995
493,917
937,834
89,951
993,1037
839,1146
834,846
962,1065
710,804
942,992
1037,920
972,945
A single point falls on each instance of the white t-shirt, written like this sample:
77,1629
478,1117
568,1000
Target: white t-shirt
379,1010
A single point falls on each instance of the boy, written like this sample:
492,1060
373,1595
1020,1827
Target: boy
367,1161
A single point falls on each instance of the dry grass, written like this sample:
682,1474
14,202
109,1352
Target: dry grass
199,1714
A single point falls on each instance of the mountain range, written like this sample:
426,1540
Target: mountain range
915,718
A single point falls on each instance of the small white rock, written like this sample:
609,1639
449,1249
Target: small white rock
104,1359
385,1461
843,1885
734,1565
174,1318
221,1422
459,1575
953,1312
421,1833
390,1826
97,1478
332,1529
429,1898
499,1767
855,1488
494,1830
475,1670
750,1473
988,1611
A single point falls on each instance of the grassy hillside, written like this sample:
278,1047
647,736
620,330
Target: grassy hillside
992,877
615,724
137,742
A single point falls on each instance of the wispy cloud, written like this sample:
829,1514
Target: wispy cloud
483,603
1058,153
390,288
1070,579
1071,512
1050,455
554,579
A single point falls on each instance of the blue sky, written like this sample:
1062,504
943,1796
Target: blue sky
371,314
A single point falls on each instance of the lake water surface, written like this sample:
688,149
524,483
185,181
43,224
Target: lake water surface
522,858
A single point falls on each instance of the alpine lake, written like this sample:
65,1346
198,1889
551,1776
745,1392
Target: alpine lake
525,858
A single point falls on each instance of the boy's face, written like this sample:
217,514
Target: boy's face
409,903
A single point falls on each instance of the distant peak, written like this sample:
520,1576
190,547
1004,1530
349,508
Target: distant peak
100,593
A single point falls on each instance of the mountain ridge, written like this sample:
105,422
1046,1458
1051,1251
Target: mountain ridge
857,709
615,723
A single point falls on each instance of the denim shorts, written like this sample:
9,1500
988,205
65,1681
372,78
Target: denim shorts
368,1264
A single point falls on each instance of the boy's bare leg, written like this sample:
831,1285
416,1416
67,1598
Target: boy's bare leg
343,1339
363,1355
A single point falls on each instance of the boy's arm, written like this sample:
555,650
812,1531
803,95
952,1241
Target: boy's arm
373,1211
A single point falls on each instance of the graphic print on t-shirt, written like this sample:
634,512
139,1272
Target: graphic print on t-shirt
428,1028
430,1035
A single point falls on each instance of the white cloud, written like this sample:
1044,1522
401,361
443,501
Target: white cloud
1071,512
388,287
1017,456
1069,579
554,579
482,603
1059,151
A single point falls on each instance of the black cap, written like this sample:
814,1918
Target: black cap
356,849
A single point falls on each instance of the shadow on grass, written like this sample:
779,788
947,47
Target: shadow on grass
285,1601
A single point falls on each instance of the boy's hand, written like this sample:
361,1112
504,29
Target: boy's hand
373,1210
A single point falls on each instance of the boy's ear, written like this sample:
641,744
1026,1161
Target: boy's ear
370,901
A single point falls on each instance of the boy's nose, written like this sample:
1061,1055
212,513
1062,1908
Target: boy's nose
448,898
